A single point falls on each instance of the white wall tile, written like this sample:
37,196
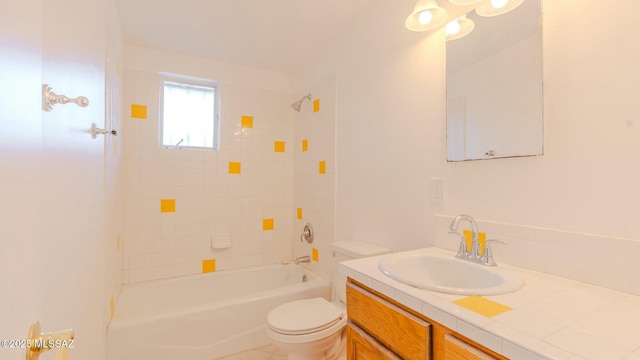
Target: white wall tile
209,201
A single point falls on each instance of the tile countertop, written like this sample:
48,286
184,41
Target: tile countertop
551,317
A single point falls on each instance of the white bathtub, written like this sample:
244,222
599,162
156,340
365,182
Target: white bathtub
205,316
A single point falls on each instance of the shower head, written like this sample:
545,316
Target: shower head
296,105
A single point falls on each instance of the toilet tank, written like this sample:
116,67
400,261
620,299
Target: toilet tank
349,250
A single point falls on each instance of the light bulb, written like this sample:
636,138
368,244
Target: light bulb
425,17
499,4
453,27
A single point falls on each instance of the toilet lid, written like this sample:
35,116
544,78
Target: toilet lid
304,316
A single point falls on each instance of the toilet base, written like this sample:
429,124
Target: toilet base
330,348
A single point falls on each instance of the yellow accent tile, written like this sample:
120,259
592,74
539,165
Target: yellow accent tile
322,167
235,168
138,111
316,105
305,145
299,214
209,265
482,239
482,306
112,307
314,254
267,224
247,121
278,146
167,205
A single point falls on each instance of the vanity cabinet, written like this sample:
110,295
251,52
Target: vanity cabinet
456,349
380,328
384,326
362,346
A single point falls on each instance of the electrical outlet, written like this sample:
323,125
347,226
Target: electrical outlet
437,191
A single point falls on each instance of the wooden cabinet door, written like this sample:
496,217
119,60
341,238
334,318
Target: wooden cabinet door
456,349
361,346
398,330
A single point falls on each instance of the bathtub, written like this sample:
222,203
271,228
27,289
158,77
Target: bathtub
204,316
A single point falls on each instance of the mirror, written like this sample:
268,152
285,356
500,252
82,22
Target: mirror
494,87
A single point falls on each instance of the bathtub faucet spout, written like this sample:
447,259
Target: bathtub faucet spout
302,259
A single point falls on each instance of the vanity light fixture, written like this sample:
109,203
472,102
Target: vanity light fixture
459,27
497,7
426,15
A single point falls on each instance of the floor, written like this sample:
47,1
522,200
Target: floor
267,352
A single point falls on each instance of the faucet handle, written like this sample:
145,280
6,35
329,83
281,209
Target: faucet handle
487,255
463,252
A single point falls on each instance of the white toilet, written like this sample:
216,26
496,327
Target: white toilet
313,329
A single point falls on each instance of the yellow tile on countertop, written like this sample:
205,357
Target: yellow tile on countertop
482,306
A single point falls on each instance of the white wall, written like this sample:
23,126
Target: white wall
391,130
210,201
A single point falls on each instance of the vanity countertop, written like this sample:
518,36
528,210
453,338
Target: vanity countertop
550,317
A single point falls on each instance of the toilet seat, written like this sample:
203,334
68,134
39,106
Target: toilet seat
304,317
327,333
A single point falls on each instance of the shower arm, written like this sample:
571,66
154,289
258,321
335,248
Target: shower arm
308,97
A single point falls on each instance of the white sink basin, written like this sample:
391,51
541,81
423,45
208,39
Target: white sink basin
425,269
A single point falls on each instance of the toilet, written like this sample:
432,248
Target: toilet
314,329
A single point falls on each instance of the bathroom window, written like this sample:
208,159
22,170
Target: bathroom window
189,113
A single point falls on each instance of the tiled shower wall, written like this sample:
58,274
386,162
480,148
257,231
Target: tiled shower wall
315,174
178,201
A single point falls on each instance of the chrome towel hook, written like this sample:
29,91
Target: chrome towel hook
49,98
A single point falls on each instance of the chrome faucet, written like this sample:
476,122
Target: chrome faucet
473,254
302,259
463,252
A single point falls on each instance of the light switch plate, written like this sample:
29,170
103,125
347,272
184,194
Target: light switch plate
437,191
